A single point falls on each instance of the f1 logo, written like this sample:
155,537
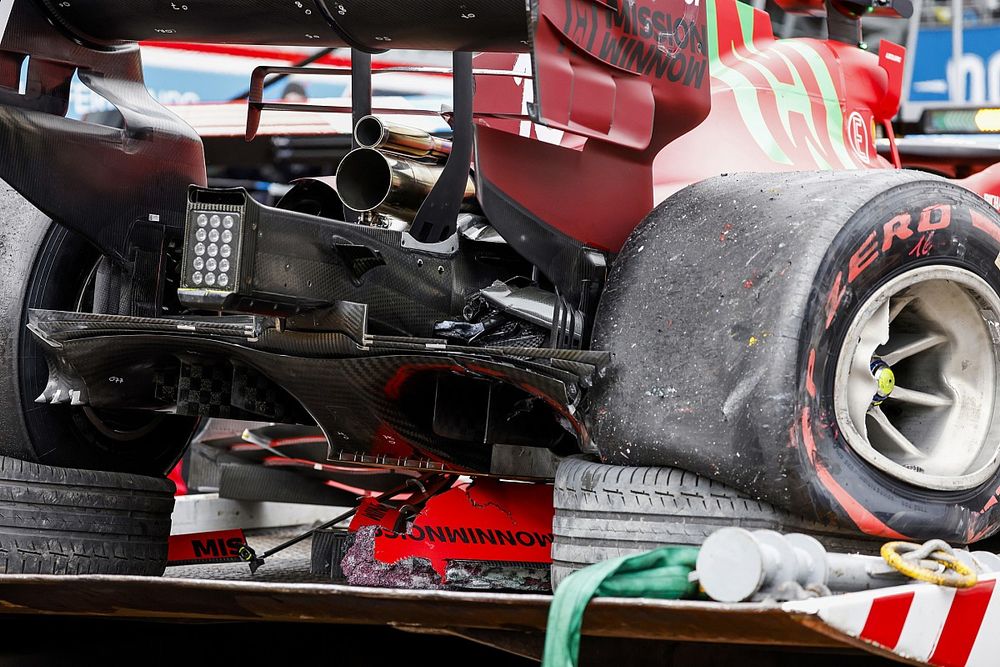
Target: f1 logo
859,136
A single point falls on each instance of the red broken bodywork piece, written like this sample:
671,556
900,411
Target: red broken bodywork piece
486,521
220,546
373,513
178,478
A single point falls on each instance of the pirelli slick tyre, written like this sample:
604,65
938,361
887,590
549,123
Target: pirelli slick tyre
67,521
826,342
606,511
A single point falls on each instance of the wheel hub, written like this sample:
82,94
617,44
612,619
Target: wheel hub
916,384
885,380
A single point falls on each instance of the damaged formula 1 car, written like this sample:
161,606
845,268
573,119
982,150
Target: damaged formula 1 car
657,237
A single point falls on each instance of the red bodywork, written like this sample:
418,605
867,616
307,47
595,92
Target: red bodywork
487,521
640,101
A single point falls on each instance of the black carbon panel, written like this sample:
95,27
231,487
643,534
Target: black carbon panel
96,180
204,390
349,398
293,258
219,21
472,25
358,402
260,332
440,25
557,255
204,468
241,481
308,345
350,319
66,325
254,393
596,358
382,480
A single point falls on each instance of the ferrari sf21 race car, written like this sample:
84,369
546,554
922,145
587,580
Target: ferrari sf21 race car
659,246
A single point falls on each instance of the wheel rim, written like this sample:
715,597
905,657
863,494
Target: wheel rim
117,425
915,388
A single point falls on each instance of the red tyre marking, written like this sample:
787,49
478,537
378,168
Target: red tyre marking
927,223
981,222
992,501
897,228
962,625
810,369
863,257
923,246
834,298
862,518
886,619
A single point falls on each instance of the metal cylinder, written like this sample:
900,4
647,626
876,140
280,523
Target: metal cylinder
369,180
736,565
314,196
373,132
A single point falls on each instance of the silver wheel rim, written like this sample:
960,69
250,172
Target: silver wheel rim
930,419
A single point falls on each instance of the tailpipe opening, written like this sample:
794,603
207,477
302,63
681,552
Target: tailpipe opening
370,180
373,132
364,179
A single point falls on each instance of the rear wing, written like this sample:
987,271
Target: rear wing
632,75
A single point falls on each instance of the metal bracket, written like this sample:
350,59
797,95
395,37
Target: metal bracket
437,218
361,105
445,248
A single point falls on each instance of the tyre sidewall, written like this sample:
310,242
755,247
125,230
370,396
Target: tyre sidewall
44,265
22,233
913,225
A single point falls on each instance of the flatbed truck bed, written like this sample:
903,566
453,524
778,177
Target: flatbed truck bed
284,591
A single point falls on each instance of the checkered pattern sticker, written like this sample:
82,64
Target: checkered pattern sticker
204,390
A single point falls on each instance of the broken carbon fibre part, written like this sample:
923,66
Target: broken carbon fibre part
425,489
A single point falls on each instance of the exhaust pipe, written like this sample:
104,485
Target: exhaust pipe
369,180
314,195
372,132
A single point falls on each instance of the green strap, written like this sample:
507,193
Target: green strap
661,573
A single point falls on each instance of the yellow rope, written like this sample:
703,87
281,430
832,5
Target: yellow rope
956,573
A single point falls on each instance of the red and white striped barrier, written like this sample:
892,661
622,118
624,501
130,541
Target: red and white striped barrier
929,624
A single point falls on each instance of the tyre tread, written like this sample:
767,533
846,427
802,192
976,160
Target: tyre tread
67,521
605,511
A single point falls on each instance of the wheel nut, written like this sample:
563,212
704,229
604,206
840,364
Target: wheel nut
885,380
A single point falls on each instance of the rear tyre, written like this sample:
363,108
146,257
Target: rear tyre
606,511
64,521
826,341
44,265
